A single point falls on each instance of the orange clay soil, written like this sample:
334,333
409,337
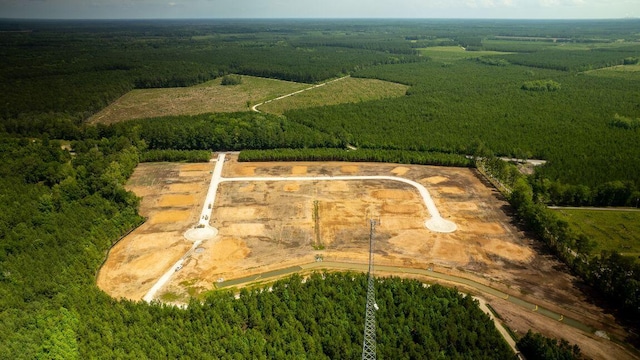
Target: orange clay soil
266,226
172,196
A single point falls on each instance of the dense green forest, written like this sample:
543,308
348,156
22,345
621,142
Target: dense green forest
364,155
61,213
450,108
63,209
81,66
535,346
226,131
175,155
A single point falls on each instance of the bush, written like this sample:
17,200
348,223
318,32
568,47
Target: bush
492,61
541,85
624,122
231,80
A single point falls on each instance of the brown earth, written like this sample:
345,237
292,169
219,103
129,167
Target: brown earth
171,202
266,226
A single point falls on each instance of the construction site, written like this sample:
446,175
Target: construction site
228,224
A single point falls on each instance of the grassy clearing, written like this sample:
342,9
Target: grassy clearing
170,297
453,53
348,90
631,72
595,45
203,98
612,230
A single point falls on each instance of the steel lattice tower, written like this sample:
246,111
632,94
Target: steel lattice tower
369,342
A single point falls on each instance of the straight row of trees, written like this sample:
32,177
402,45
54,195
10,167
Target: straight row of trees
325,154
573,60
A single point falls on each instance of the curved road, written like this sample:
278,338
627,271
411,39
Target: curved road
203,231
437,223
333,265
445,226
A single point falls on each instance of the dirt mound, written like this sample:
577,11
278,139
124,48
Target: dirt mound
349,169
298,170
400,170
169,216
436,179
176,200
392,194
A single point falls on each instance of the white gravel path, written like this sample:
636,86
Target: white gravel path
436,223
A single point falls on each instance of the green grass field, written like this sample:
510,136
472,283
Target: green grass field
214,97
348,90
612,230
452,53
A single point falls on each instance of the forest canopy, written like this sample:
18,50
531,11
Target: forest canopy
64,203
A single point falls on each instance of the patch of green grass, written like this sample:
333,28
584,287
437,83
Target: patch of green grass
453,53
592,45
170,297
348,90
630,72
189,282
612,230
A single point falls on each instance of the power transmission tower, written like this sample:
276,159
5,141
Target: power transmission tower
369,342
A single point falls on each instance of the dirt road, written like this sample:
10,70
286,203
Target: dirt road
203,231
269,228
255,107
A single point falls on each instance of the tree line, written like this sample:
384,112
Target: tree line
573,60
536,346
170,155
222,131
612,193
615,277
360,155
449,108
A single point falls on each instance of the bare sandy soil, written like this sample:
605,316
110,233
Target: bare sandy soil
172,196
266,226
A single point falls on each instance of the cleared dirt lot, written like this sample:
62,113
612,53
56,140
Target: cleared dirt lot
172,196
265,226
